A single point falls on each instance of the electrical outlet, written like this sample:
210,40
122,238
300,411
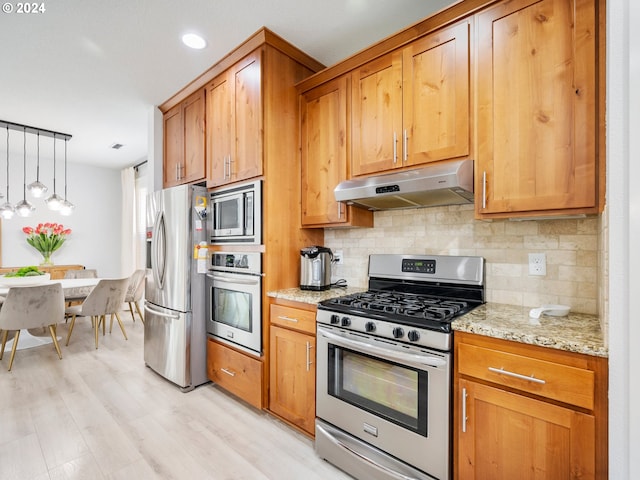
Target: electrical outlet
537,264
337,257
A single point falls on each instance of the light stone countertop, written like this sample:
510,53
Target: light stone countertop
311,296
577,332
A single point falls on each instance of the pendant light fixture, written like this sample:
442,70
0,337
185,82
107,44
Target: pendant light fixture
54,202
66,207
24,208
36,188
6,210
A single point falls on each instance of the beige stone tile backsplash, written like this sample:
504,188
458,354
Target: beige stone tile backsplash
571,247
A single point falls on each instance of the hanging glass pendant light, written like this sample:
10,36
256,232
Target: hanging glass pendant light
23,207
66,207
36,188
6,209
54,202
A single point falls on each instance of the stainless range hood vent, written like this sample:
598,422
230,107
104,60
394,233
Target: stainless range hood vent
447,183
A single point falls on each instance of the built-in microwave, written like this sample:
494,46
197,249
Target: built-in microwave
235,215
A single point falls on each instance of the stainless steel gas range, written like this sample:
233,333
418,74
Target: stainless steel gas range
384,367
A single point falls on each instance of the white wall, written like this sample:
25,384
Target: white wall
623,199
95,222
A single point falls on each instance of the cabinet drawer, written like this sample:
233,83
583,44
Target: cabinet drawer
235,372
556,381
302,320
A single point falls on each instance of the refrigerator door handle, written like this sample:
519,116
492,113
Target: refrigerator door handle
159,251
173,316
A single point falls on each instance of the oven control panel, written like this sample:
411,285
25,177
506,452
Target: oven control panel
241,262
413,265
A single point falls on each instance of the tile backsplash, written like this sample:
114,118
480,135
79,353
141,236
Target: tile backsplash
571,247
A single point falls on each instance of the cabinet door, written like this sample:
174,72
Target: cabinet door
194,138
246,156
292,376
173,146
436,96
324,152
507,436
376,115
219,129
536,107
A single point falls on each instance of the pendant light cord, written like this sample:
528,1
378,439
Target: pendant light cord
54,163
24,165
38,163
65,169
7,163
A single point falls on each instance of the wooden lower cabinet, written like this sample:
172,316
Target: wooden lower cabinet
523,411
508,436
235,372
292,366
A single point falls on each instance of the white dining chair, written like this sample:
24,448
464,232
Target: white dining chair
31,307
105,299
135,291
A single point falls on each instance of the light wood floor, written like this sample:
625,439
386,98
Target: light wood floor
101,414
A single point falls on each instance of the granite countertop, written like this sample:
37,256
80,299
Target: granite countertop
311,296
577,332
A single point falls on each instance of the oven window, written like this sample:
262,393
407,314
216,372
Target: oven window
227,214
232,308
389,390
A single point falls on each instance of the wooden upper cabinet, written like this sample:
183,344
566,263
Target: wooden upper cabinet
184,141
536,98
411,106
325,156
234,129
376,114
435,72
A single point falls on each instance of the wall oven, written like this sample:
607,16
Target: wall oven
384,367
235,215
234,300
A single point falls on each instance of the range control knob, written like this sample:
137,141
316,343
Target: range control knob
335,319
398,332
413,335
370,327
346,321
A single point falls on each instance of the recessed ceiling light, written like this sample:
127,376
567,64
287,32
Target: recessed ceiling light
194,41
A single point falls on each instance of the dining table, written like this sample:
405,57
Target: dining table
74,289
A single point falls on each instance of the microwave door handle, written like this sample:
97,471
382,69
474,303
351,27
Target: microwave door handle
402,357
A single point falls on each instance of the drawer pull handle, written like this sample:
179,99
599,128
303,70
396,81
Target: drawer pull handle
502,371
288,319
228,372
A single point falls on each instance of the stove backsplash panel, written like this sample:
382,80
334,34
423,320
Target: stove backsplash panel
571,247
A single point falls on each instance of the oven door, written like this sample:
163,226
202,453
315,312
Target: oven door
234,310
390,395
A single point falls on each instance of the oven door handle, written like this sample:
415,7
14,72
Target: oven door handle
386,353
237,279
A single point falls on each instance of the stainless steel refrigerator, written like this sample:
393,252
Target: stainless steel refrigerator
174,328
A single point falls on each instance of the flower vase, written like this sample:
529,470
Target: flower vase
46,259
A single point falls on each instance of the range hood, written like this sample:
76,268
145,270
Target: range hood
446,183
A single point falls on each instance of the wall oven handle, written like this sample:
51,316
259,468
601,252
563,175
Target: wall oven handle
502,371
249,280
173,316
376,465
401,357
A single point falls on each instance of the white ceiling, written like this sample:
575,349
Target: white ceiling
93,69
